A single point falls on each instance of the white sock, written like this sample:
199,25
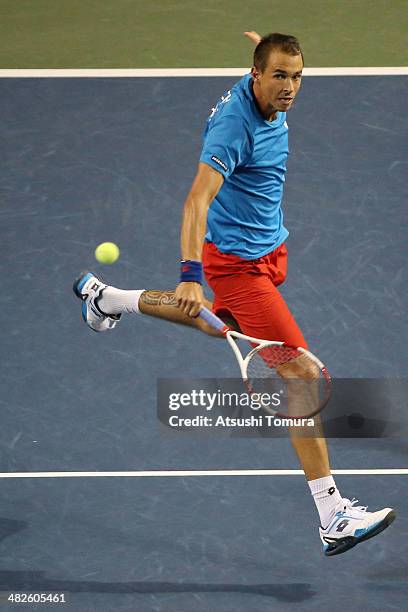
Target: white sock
326,497
115,301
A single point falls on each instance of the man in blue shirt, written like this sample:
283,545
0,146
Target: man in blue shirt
245,217
233,230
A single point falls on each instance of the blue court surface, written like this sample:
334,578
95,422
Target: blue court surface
89,160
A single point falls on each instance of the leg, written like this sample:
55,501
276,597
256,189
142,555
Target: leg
103,306
162,304
311,448
313,456
261,311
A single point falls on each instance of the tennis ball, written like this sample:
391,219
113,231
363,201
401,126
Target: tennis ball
107,253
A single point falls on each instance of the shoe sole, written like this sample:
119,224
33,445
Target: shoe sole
350,541
80,282
77,288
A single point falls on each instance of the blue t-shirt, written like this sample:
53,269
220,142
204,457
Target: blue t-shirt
245,218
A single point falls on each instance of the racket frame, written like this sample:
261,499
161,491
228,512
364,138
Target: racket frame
243,362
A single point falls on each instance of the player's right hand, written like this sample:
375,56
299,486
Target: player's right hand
190,298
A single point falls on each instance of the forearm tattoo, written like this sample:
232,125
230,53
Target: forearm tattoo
159,298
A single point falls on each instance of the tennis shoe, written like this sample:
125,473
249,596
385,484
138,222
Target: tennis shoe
351,525
89,289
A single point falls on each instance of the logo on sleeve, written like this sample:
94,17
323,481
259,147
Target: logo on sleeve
220,163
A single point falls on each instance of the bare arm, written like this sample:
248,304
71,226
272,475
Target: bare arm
206,185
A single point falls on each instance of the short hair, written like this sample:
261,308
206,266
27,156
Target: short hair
286,43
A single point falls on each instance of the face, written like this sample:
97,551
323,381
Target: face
276,87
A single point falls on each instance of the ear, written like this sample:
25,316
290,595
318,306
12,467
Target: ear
255,73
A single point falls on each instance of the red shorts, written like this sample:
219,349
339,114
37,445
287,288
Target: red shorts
247,291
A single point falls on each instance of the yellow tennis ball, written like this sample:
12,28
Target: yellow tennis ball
107,253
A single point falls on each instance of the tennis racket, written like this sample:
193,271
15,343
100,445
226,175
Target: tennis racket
267,363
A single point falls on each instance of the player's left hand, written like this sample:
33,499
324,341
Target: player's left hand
254,36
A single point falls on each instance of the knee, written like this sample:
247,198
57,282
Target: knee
301,368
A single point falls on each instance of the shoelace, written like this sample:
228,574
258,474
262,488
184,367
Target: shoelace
348,504
351,504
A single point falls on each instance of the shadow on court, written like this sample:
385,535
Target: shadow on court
36,582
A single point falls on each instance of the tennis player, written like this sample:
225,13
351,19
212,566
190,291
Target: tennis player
233,233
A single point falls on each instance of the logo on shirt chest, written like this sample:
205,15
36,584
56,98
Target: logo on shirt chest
223,100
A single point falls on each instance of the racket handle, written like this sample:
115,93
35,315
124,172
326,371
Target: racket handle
213,320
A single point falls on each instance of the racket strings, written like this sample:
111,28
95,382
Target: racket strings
270,357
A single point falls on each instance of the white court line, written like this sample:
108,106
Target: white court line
192,72
194,473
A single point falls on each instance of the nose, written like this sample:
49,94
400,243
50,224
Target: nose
289,85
